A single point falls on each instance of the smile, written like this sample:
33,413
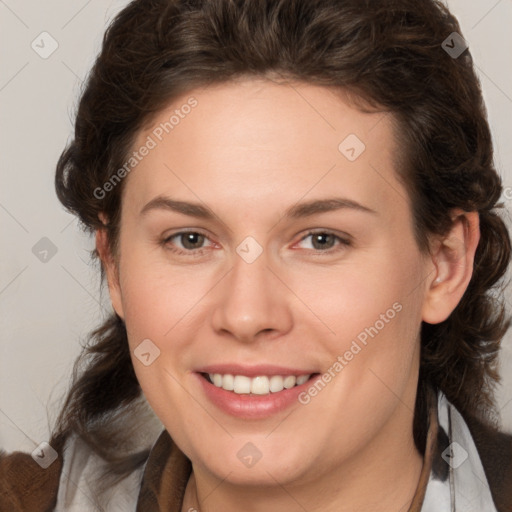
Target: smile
255,397
260,385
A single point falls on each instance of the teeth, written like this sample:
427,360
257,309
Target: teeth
301,379
276,383
261,385
242,384
289,381
227,382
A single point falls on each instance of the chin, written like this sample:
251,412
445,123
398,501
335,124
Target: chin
247,465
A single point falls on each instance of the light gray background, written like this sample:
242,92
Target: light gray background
46,308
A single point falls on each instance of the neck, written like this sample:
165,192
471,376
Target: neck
381,478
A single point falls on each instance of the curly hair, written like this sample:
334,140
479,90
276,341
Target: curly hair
386,53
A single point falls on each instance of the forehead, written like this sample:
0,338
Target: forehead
242,142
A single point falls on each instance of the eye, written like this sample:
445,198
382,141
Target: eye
323,241
187,241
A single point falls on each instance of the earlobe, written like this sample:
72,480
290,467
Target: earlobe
111,270
453,258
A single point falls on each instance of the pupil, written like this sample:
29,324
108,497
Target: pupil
192,240
322,241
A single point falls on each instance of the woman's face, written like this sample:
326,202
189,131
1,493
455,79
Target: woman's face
298,258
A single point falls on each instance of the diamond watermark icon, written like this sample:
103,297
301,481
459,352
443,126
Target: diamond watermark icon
454,45
147,352
249,455
454,455
44,45
352,147
44,455
44,250
249,250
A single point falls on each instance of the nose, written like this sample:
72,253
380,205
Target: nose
252,302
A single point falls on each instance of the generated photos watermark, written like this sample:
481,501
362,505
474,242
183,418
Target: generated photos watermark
151,143
355,348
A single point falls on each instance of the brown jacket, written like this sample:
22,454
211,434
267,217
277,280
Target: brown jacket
27,487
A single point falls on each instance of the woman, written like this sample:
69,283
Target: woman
294,205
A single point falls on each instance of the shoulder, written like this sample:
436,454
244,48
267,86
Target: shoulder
87,482
77,479
495,451
26,485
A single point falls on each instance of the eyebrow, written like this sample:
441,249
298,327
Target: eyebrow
325,205
297,211
184,207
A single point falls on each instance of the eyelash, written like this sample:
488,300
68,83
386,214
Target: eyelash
343,242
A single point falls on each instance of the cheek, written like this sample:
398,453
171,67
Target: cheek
161,305
377,289
159,298
373,313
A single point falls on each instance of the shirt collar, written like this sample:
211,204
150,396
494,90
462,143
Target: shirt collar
452,474
457,480
165,477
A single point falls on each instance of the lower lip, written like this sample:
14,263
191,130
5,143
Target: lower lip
253,406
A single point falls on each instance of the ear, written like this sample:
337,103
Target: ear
110,266
453,258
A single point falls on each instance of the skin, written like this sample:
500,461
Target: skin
249,151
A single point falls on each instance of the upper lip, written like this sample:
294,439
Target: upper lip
252,371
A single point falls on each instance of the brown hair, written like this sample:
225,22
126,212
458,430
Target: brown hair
389,54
